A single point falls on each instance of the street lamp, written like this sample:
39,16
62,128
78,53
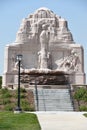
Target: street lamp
19,58
36,94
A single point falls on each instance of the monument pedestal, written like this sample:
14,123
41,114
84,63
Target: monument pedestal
43,77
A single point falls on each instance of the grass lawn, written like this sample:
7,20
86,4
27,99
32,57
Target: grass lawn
85,114
22,121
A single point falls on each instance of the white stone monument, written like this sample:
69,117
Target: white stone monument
46,43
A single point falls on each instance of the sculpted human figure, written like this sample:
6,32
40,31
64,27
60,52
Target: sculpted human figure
70,63
16,66
44,38
44,41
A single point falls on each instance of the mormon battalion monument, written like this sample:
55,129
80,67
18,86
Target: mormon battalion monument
47,47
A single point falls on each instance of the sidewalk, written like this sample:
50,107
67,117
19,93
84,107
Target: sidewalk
62,120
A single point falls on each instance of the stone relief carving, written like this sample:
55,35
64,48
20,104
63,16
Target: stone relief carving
12,61
46,27
16,66
31,26
70,63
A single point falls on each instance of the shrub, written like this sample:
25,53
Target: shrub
24,102
6,101
81,94
27,108
83,108
22,90
0,82
1,102
31,109
85,96
22,93
85,114
9,107
22,96
6,95
5,90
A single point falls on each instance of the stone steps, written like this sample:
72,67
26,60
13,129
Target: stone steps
53,100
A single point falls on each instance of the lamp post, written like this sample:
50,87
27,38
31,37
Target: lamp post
18,108
36,94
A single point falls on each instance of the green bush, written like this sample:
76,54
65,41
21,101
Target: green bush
81,94
24,102
85,114
5,90
27,108
22,96
83,108
6,95
85,96
22,93
1,102
9,107
0,82
22,90
31,109
6,101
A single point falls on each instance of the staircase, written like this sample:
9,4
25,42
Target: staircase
53,99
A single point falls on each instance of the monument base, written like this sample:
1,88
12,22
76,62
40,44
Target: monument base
45,77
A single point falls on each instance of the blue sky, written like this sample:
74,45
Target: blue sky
13,11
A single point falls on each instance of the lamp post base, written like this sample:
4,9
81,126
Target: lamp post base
18,110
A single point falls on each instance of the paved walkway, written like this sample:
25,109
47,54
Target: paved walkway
62,120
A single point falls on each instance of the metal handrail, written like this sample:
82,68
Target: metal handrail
71,97
36,92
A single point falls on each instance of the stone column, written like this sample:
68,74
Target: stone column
6,67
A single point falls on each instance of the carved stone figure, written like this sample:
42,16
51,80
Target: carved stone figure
16,66
70,63
44,41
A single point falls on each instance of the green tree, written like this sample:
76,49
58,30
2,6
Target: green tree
0,82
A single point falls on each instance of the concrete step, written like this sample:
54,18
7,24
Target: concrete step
53,100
